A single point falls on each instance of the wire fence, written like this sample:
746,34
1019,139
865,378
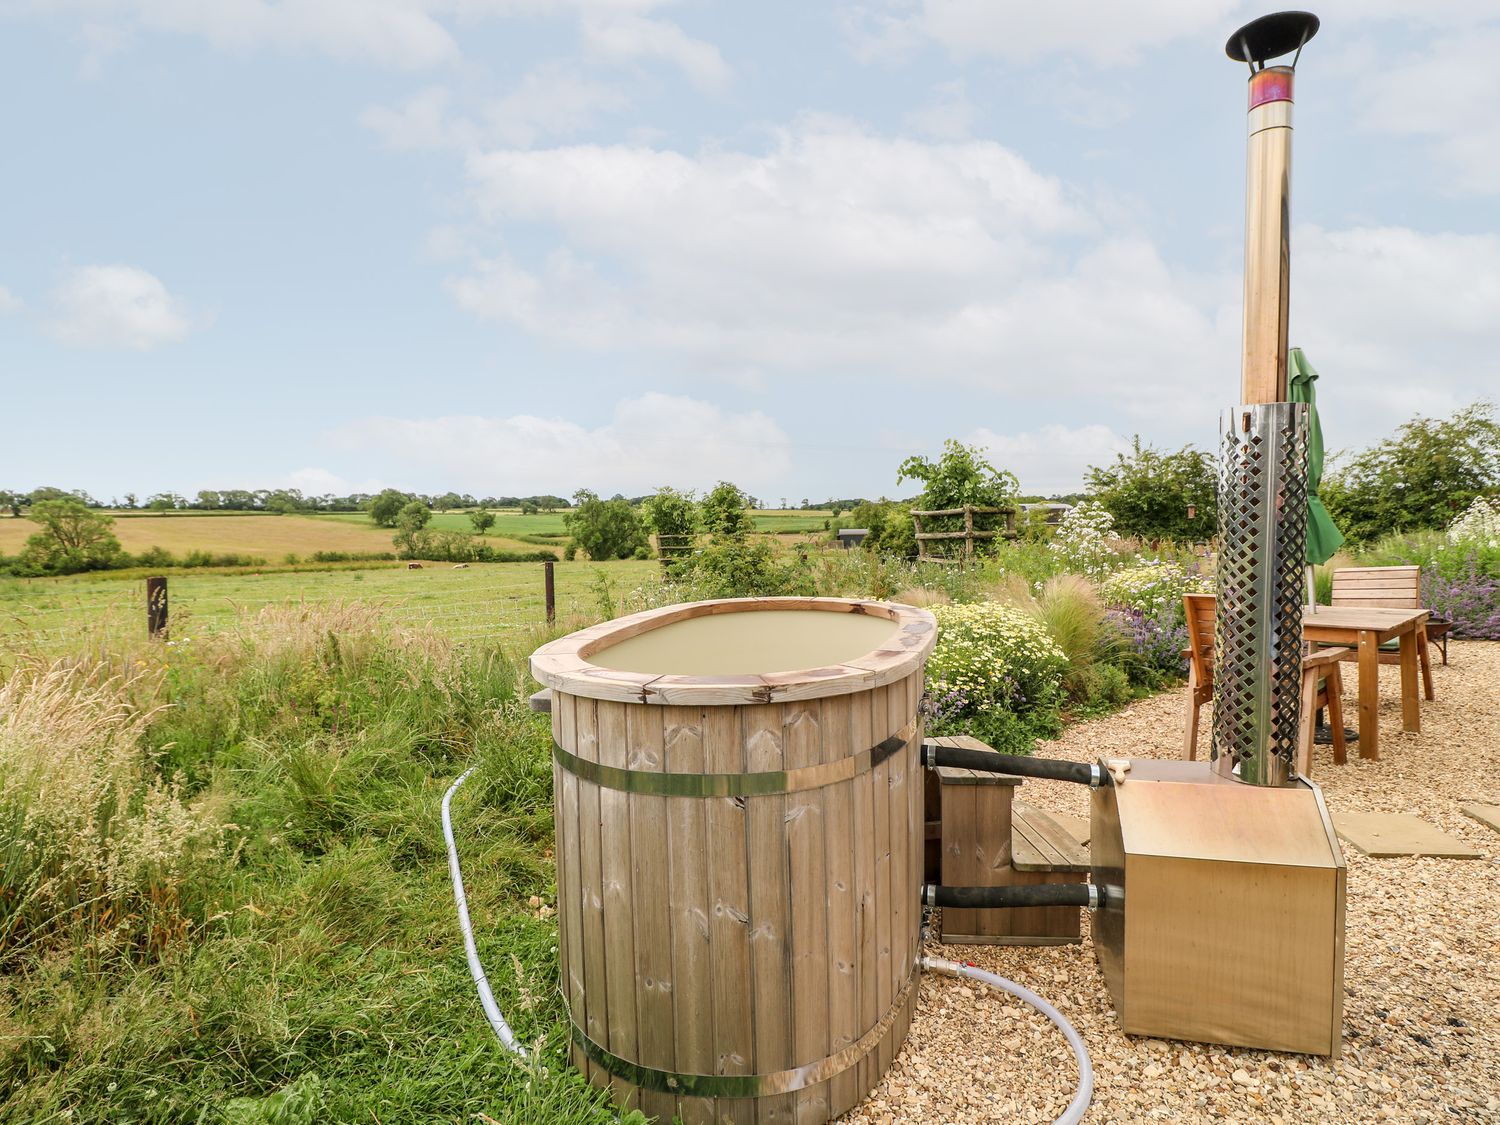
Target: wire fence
470,604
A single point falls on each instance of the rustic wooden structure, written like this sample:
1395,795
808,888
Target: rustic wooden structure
1389,587
1322,685
988,839
968,535
1364,631
739,861
670,548
1224,912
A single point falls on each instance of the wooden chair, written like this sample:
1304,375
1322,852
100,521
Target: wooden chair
1386,587
1322,685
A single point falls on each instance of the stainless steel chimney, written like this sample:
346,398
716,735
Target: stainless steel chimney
1263,448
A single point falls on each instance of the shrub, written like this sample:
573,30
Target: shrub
1480,525
740,568
95,846
1154,588
1083,540
1153,644
1469,599
1075,619
996,672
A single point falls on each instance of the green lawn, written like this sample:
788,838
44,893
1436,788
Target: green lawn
484,600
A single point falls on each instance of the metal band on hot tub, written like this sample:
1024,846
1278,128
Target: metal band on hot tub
745,1085
762,784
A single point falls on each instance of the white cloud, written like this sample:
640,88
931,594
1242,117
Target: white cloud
650,440
1448,94
1396,321
1106,33
553,100
1052,459
313,481
837,250
117,307
399,33
949,116
405,34
9,302
621,35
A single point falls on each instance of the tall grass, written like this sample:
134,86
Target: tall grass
97,850
281,779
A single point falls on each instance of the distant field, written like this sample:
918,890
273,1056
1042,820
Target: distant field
509,521
270,537
486,599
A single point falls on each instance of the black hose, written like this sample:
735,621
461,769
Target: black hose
1000,898
991,762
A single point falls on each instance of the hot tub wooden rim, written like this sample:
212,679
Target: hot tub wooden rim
564,664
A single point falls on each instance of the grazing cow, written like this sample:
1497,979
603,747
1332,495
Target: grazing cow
460,566
413,566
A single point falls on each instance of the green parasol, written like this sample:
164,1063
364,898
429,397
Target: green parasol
1323,538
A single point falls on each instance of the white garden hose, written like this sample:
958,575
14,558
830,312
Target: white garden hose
476,970
1080,1103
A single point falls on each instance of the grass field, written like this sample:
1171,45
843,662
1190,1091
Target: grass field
265,536
272,537
486,600
510,522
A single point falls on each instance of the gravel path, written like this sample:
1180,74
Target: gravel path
1422,970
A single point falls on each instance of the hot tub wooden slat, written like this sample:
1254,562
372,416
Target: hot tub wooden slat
807,834
770,920
569,885
862,794
881,796
687,843
619,905
729,887
594,1015
656,1046
843,984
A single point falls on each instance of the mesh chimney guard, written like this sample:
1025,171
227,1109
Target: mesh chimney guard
1263,448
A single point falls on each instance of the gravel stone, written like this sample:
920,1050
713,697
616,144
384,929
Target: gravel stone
1421,971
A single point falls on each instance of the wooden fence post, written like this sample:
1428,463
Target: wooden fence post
156,606
551,593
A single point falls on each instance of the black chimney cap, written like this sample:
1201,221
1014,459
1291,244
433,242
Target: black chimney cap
1271,36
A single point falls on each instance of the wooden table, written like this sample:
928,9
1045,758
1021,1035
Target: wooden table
1366,630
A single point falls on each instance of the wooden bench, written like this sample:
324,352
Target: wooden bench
988,839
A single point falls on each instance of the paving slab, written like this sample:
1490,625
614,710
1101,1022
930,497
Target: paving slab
1385,835
1487,815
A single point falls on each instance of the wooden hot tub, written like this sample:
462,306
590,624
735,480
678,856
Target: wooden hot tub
739,821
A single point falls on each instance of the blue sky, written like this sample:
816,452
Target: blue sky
505,246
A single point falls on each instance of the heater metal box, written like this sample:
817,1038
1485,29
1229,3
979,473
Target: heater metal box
1230,928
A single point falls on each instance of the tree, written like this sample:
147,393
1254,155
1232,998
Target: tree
482,520
1150,493
209,499
670,512
606,529
13,501
410,523
725,512
1423,477
528,507
129,500
73,538
448,501
387,506
962,475
165,502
